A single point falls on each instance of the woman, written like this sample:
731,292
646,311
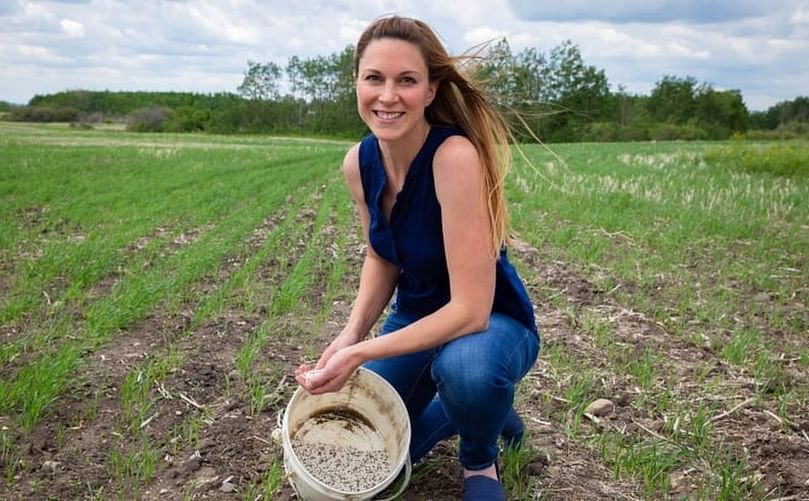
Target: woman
428,185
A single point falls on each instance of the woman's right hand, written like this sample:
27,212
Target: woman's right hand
306,375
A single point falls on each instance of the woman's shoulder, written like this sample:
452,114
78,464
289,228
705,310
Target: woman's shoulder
351,172
351,161
456,149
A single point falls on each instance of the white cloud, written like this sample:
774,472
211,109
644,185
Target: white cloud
483,34
34,52
800,16
648,11
72,29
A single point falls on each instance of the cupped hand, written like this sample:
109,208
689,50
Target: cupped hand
332,375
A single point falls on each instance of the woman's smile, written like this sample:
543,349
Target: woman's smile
388,115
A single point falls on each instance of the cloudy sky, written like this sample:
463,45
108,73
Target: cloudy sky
759,47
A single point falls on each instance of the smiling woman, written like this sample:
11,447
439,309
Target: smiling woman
428,186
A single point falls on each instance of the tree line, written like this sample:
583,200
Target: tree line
550,96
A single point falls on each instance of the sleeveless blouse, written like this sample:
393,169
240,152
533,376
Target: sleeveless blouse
413,239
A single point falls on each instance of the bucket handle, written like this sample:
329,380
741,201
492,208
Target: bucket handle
408,473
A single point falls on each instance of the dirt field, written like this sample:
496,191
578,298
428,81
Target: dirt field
235,448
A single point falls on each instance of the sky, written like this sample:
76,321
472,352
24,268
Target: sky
758,47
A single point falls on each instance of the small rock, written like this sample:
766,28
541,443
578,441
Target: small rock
192,464
51,466
761,297
600,407
227,487
535,469
206,478
277,435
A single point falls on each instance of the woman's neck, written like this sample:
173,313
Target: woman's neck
398,155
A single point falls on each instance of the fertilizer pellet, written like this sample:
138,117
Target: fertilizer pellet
308,375
347,469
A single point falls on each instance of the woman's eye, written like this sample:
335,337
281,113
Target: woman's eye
408,80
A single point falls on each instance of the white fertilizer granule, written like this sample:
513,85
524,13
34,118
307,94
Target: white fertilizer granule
347,469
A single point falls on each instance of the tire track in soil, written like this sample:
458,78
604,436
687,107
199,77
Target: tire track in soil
79,464
772,453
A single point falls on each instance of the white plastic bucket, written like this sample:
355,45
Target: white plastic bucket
382,424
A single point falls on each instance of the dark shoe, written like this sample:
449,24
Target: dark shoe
482,488
513,430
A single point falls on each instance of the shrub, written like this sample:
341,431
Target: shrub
44,114
672,132
778,159
612,131
151,119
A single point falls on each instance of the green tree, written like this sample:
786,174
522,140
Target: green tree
673,100
260,81
579,93
720,113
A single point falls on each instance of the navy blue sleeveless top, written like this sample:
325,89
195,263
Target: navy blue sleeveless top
413,239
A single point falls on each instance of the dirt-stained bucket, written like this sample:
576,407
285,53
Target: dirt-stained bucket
347,445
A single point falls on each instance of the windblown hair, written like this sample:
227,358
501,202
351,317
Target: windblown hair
458,102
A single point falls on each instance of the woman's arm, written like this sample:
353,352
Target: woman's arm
470,263
377,278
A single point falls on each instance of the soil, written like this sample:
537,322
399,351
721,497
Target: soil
71,453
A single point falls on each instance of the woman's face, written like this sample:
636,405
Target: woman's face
393,89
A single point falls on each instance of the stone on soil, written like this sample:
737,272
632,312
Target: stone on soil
600,407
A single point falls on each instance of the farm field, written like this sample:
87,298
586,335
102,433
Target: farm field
157,292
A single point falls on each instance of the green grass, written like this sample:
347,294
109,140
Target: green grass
778,159
74,204
131,469
269,484
514,474
695,241
9,460
708,241
648,462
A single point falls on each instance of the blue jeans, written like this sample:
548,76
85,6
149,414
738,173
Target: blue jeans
464,387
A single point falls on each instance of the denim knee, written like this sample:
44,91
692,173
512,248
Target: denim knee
475,376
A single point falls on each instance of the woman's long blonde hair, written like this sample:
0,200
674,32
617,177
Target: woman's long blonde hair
458,102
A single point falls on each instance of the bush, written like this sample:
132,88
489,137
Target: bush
796,129
151,119
95,117
612,131
770,135
778,159
672,132
44,114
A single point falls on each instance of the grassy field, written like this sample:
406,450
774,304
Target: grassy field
156,292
